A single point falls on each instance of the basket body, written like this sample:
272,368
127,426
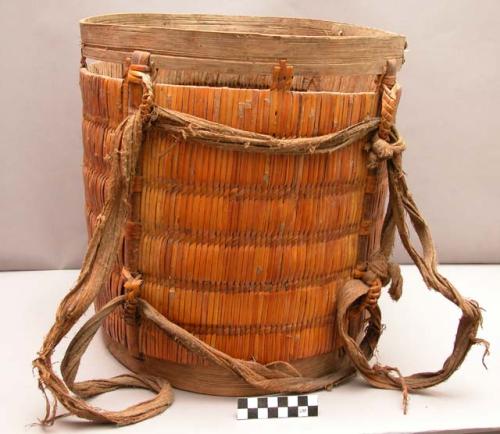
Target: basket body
244,250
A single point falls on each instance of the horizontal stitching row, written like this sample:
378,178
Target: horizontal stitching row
232,330
248,238
246,286
234,191
263,191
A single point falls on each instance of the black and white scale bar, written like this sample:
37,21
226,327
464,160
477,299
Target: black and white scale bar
269,407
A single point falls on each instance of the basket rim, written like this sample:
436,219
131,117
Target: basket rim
243,44
368,32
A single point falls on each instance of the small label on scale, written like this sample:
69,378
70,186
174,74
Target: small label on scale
270,407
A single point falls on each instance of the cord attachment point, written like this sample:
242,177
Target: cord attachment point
374,283
132,286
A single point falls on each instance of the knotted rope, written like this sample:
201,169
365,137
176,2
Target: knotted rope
361,292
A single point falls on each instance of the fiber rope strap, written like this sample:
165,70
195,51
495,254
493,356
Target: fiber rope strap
359,293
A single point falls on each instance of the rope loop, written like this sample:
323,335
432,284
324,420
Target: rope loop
387,147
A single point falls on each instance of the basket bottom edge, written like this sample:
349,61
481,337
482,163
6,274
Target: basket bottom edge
212,379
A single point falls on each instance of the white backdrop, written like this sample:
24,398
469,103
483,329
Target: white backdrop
448,114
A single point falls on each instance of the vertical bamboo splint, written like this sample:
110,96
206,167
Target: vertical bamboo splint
235,197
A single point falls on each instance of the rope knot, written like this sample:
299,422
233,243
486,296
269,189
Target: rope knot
380,149
133,286
379,272
363,273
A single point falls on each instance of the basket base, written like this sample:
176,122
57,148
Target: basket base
214,380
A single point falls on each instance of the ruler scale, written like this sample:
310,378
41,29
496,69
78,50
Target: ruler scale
270,407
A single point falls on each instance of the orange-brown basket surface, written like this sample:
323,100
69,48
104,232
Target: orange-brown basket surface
245,250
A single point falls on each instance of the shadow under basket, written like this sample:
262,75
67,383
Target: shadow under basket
245,250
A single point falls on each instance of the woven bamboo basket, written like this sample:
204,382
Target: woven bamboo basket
242,223
246,250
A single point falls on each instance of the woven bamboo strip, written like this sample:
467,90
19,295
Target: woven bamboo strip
232,239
